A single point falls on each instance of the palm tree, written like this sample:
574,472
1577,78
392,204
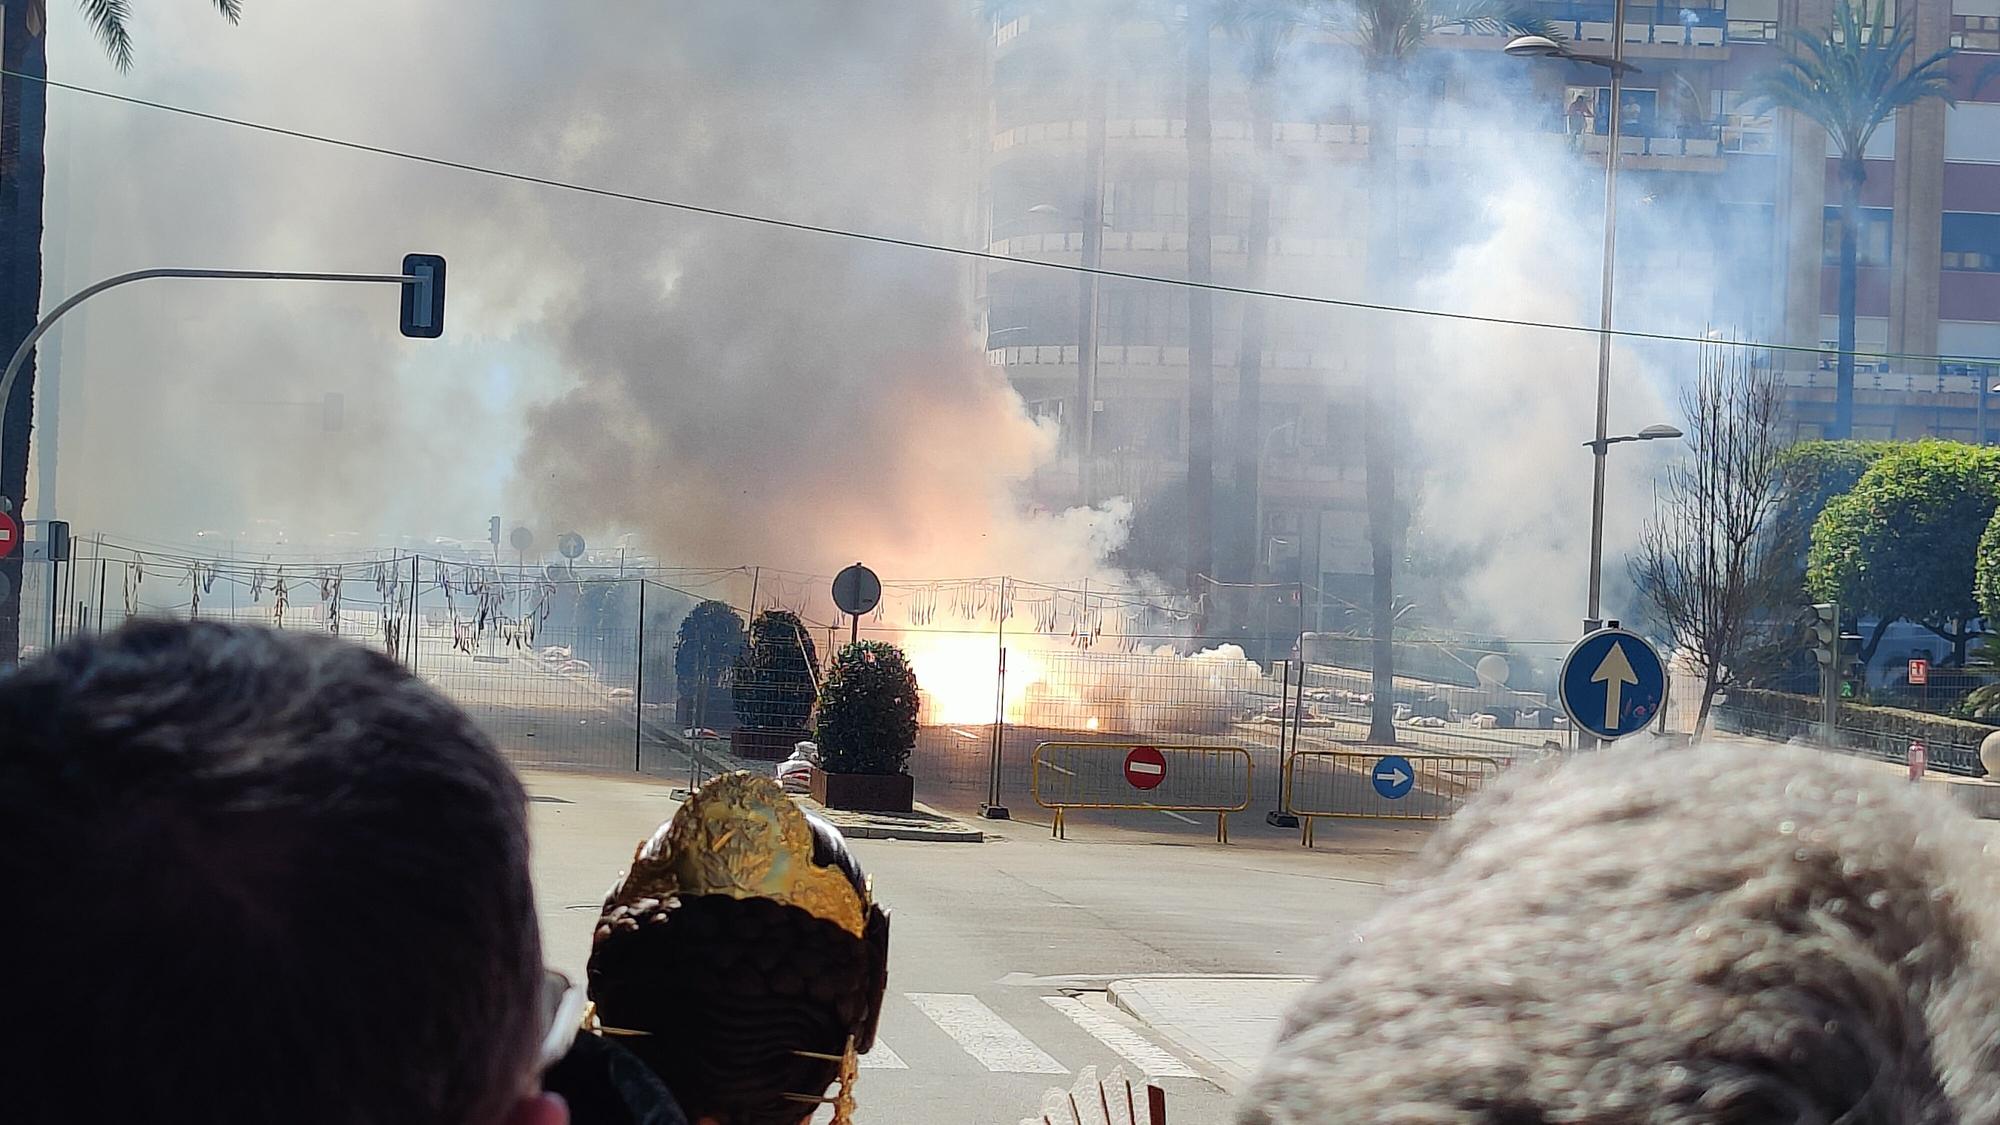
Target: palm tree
1850,81
1389,32
1267,27
23,117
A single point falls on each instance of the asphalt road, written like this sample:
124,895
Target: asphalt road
1002,950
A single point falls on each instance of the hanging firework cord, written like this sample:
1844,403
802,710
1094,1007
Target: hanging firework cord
194,594
280,598
333,605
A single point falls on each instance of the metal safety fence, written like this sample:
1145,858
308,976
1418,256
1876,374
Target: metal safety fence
1381,785
588,668
1175,779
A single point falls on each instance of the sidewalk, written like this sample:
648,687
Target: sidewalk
1228,1022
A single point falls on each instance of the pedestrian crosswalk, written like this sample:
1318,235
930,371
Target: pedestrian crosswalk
980,1038
984,1035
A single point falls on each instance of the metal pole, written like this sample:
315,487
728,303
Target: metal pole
416,609
100,584
756,575
1599,448
639,683
77,298
1982,377
993,809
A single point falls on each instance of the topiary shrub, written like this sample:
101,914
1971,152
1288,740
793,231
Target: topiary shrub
868,711
776,673
706,647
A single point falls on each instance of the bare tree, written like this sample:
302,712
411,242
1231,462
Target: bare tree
1701,560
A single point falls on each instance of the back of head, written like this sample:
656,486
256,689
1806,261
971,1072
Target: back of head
1719,935
255,877
742,955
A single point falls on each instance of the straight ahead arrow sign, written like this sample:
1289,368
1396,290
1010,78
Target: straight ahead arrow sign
1614,672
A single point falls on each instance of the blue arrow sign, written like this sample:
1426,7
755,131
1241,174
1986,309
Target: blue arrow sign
1393,777
1613,683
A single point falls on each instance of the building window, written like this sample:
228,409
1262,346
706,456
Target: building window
1742,129
1871,242
1975,33
1141,425
1971,242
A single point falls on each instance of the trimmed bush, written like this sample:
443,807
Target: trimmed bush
868,711
1778,714
775,681
706,647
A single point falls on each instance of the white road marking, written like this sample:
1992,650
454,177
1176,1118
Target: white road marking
1129,1044
1058,769
1179,817
883,1058
990,1040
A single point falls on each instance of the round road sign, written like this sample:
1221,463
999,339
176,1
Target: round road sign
1145,767
1393,777
856,590
571,545
10,535
521,538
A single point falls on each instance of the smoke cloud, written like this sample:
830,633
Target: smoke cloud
733,394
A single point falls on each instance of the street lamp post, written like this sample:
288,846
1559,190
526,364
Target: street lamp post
1986,387
1540,46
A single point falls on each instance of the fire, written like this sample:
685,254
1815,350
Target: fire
957,673
1090,723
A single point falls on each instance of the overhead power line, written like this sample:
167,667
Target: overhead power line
960,251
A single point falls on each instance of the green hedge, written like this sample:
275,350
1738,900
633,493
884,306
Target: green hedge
1782,715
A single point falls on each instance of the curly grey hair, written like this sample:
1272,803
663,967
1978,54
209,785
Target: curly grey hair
1719,935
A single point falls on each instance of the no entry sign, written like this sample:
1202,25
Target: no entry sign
10,535
1145,767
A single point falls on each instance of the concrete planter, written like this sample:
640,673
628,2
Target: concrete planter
765,744
864,792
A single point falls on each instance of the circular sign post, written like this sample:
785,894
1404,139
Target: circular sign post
10,535
1612,683
571,546
1145,767
856,590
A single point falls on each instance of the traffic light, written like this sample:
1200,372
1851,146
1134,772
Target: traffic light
423,299
493,530
1826,651
1826,634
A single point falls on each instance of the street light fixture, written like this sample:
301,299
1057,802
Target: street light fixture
1650,433
1541,46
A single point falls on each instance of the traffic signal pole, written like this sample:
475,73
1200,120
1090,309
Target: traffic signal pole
1826,632
47,322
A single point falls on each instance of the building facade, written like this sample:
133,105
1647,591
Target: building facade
1087,164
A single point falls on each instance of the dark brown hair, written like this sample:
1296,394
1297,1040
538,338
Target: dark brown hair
256,877
729,990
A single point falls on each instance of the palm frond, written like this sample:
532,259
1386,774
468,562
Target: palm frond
107,18
232,10
1493,17
1852,78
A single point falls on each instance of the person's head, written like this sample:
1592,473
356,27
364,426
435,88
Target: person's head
742,956
252,876
1734,934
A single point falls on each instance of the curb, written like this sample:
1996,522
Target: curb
936,828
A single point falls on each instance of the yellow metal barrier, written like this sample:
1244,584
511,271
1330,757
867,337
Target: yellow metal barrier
1380,784
1177,779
